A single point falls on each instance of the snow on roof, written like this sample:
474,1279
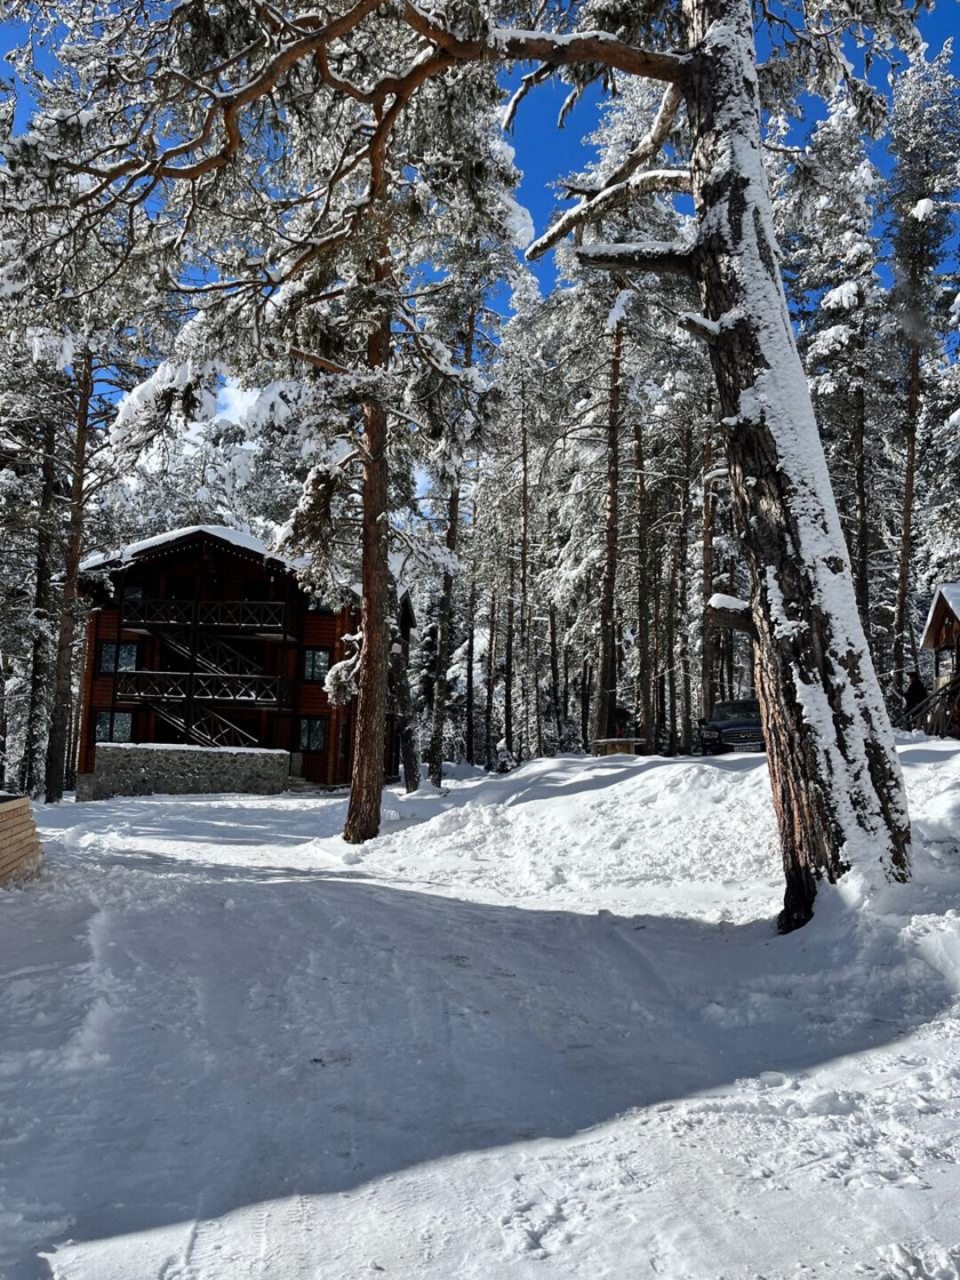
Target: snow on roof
949,593
235,537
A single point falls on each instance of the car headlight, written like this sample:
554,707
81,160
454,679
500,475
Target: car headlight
710,734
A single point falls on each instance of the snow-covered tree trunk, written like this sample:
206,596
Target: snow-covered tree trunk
836,781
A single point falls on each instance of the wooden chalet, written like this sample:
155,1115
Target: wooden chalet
942,630
939,712
203,636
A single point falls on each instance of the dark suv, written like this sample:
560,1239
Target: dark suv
733,726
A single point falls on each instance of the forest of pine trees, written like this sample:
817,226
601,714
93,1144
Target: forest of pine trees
266,268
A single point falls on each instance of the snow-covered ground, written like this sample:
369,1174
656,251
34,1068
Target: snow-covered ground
542,1027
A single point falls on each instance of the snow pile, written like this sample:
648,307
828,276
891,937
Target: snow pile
543,1020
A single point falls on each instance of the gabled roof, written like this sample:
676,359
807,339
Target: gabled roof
218,532
234,538
945,607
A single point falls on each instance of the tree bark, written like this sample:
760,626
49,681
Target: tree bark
471,639
861,554
406,715
683,647
642,699
63,682
31,762
491,681
606,704
707,635
508,663
444,628
363,812
555,676
906,528
837,787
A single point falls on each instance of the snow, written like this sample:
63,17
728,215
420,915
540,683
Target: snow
732,604
542,1025
923,209
844,297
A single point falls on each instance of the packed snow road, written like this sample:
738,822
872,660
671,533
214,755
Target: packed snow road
542,1026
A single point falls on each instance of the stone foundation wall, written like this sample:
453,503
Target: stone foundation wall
146,770
20,850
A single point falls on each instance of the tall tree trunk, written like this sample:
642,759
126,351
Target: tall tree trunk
363,812
861,553
406,714
586,679
63,683
555,677
606,704
906,528
707,632
683,647
471,752
488,744
836,780
670,648
508,661
31,762
642,699
444,628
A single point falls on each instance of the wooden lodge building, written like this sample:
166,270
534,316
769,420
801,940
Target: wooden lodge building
203,637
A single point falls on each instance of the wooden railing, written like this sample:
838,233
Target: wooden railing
246,615
201,686
159,613
208,729
242,615
142,686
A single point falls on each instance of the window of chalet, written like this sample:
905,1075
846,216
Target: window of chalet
313,733
108,658
122,727
316,605
316,664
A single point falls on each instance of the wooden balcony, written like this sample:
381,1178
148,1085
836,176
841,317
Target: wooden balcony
200,686
235,615
158,613
241,615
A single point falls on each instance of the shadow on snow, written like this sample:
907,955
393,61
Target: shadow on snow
241,1035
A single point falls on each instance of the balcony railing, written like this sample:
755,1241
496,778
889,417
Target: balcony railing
201,686
246,615
159,613
240,615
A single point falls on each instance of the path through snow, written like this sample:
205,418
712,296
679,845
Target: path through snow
542,1026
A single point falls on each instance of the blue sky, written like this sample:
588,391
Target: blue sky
545,153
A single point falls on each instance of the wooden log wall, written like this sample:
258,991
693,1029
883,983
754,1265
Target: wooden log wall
20,850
